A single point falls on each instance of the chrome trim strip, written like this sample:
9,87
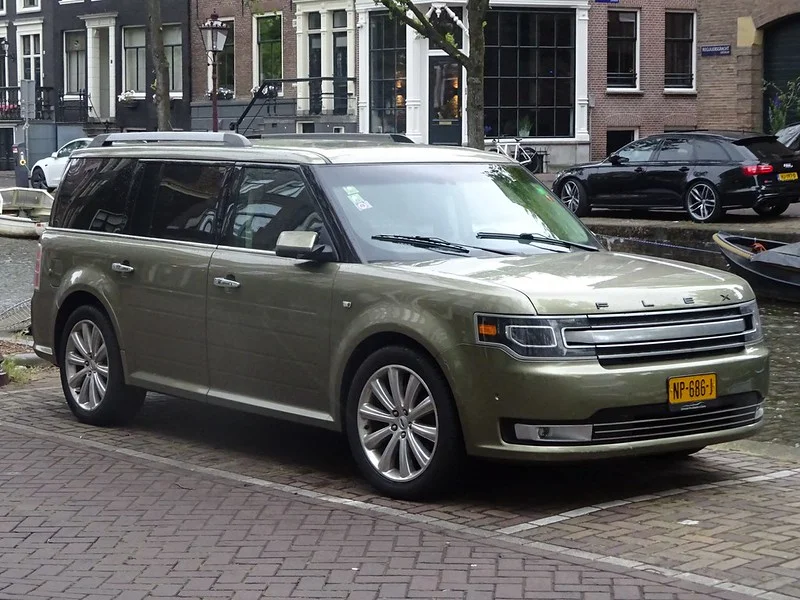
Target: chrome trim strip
739,345
686,331
684,416
749,420
668,426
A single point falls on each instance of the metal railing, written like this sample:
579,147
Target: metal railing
621,80
10,104
73,107
678,80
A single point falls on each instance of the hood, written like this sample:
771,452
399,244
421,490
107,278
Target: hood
598,282
580,167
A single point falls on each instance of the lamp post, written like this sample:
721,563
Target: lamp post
214,33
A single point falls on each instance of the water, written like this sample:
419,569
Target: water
781,324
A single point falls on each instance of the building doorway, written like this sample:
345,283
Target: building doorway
445,110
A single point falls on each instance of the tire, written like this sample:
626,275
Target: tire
573,195
397,436
85,333
771,210
703,203
38,179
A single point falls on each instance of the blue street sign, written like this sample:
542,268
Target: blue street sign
606,1
718,50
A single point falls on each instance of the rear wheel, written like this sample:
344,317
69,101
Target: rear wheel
773,209
91,371
573,195
703,203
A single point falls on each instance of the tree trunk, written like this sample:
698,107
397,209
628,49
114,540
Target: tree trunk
476,13
162,66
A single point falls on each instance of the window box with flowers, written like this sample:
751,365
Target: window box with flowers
223,93
128,98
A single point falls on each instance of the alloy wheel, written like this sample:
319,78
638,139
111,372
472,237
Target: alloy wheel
571,195
86,365
398,423
702,201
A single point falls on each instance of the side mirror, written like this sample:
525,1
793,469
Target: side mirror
301,245
54,155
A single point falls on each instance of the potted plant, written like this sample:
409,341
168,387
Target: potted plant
525,126
223,93
127,98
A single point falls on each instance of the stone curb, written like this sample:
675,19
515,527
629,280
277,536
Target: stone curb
26,359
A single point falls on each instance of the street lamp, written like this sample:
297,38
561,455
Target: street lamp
214,33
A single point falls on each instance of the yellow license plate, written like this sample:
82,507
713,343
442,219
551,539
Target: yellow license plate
787,176
696,388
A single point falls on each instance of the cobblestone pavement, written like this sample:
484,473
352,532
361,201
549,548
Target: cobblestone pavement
194,495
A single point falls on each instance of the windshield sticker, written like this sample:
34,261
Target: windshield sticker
355,197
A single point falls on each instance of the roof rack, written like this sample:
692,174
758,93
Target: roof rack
367,137
225,138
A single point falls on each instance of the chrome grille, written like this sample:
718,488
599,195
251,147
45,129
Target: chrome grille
687,423
666,334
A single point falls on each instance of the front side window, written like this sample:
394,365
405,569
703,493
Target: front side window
75,61
32,57
623,49
270,57
135,67
387,74
453,202
529,81
270,201
179,201
173,49
679,50
638,151
68,149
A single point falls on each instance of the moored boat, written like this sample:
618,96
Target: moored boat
771,267
24,212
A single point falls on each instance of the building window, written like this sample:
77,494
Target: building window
387,74
529,83
173,49
2,7
315,63
339,62
226,60
75,61
623,49
618,138
269,42
32,57
27,5
135,66
679,51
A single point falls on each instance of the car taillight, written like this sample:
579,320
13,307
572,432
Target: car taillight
752,170
37,269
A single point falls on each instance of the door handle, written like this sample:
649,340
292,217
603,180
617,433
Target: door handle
638,170
121,267
684,169
224,282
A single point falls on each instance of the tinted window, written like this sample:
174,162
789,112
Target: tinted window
675,150
94,195
639,151
268,202
767,149
709,150
179,201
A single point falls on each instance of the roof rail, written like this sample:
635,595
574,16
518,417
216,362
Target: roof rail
367,137
225,138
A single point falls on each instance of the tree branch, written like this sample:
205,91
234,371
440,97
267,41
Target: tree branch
422,25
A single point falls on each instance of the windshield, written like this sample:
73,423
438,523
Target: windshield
452,202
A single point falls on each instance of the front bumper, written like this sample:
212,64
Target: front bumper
494,392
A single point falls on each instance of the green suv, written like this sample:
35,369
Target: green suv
429,302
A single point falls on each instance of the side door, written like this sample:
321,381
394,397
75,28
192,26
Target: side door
620,181
161,271
55,171
268,316
670,171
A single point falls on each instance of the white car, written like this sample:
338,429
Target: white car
47,172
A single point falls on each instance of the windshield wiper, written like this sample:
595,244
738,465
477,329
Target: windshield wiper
435,243
533,237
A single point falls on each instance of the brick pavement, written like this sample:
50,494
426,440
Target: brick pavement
725,515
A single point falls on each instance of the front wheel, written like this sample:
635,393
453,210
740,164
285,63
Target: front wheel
38,180
774,209
91,371
703,203
573,195
402,425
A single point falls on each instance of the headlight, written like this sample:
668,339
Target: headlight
531,337
754,332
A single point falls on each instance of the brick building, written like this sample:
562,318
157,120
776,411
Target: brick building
760,40
642,70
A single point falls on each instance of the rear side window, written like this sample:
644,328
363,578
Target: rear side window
179,201
677,149
766,149
94,195
709,150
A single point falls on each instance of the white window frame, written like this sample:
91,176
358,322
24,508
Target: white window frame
209,74
255,53
3,7
174,95
4,65
64,55
692,90
638,87
30,28
22,9
137,95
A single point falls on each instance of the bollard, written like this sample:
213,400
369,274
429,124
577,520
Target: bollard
3,375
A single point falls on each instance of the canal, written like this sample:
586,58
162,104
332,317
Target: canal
781,324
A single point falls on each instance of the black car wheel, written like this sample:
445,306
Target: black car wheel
38,180
574,197
773,209
703,202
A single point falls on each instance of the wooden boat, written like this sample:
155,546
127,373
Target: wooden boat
24,212
771,267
